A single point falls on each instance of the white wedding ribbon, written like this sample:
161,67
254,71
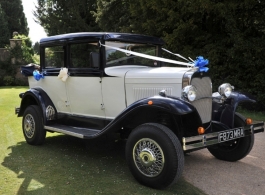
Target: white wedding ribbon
149,56
176,54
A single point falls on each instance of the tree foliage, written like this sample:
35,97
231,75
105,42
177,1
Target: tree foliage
66,16
36,48
4,33
113,15
15,17
230,33
23,52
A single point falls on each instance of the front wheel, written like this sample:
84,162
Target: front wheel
154,155
32,125
234,150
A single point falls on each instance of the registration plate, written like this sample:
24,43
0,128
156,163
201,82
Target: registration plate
230,135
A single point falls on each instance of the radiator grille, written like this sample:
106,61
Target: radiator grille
143,92
204,91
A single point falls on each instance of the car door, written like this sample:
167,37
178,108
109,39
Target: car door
83,86
52,61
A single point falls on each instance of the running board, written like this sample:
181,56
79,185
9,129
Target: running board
83,133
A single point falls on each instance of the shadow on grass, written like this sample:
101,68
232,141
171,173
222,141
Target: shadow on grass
68,165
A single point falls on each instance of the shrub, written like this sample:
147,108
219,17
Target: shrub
21,82
8,80
24,52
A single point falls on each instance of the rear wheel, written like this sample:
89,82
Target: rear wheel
32,125
236,149
154,155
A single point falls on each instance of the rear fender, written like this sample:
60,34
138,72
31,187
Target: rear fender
36,96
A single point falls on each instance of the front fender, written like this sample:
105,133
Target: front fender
237,97
228,110
36,96
169,105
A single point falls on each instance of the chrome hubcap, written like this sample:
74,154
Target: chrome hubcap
29,126
148,157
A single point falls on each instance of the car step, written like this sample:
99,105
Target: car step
83,133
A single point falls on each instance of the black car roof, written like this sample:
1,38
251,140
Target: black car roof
95,36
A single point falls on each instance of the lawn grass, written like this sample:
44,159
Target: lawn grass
64,164
256,116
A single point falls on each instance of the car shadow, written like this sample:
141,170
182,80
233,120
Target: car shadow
64,162
69,165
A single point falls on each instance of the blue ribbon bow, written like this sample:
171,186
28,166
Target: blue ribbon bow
200,62
37,75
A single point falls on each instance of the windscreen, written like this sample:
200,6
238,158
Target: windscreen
119,58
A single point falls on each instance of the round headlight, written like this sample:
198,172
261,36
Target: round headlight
225,89
189,92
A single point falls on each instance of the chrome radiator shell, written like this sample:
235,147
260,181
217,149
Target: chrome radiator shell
203,101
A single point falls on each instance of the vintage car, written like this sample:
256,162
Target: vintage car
93,85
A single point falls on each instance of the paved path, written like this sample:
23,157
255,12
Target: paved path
216,177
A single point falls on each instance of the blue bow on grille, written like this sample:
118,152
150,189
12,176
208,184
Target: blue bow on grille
37,75
200,62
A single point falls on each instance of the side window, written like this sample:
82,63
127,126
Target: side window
82,55
54,57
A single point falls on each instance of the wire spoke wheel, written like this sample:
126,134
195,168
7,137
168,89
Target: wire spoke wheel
32,125
148,157
154,155
29,126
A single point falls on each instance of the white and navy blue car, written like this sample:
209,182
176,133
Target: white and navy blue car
90,85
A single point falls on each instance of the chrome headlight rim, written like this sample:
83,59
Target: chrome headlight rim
225,89
189,93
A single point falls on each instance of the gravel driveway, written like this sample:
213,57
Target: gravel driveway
215,177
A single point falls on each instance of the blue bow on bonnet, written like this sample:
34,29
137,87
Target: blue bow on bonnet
200,62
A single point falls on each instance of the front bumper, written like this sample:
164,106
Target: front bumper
202,141
17,109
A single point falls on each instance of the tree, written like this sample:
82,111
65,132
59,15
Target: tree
15,16
4,33
36,48
229,33
24,52
113,15
66,16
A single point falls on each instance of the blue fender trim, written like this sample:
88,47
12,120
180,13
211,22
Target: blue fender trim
171,105
227,116
36,96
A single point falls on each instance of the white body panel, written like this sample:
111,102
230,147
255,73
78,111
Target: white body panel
85,96
109,96
142,83
56,90
137,82
77,96
113,96
113,89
